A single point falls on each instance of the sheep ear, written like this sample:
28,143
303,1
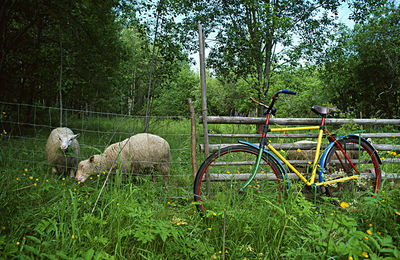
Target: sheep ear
91,159
76,136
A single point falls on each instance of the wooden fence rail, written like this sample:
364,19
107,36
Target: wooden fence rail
300,121
297,121
303,146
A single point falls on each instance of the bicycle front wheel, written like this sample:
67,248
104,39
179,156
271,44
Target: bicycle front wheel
364,158
228,169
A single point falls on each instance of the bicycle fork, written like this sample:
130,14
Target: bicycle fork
260,152
254,170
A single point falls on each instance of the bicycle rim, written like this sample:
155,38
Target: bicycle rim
337,166
228,169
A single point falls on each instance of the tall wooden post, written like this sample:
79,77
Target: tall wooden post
193,138
203,96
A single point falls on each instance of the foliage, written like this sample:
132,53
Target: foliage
172,98
362,71
252,37
48,44
46,216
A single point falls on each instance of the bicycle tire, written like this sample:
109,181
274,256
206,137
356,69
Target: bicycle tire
233,165
366,160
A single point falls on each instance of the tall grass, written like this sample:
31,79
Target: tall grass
50,217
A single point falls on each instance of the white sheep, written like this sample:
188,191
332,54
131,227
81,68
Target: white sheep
139,153
62,151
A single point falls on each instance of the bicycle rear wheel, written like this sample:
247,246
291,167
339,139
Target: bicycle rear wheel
228,169
364,158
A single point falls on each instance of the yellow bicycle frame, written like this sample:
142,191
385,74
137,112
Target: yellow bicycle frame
315,164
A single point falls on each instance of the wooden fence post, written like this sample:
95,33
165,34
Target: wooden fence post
193,138
203,97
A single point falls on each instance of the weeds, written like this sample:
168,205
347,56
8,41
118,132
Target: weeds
46,216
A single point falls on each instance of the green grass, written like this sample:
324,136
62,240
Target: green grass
45,216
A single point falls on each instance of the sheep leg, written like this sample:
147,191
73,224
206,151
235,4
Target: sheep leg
72,173
166,180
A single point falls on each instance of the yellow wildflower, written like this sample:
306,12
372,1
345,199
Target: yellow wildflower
17,243
34,184
209,229
366,238
214,214
17,179
344,205
350,258
25,169
30,177
370,225
365,254
397,213
63,179
298,150
369,232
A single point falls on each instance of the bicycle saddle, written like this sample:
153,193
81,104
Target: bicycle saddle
323,111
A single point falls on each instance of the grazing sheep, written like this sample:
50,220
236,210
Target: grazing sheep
139,153
62,151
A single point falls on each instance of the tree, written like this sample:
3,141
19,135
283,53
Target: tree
38,36
363,68
254,37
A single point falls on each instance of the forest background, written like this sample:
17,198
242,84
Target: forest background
98,55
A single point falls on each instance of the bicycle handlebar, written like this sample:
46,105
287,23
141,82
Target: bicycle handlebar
274,98
290,92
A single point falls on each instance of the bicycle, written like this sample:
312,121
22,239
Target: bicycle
219,180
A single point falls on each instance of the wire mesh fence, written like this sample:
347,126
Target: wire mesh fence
25,129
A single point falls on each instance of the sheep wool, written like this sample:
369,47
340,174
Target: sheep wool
139,153
62,151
